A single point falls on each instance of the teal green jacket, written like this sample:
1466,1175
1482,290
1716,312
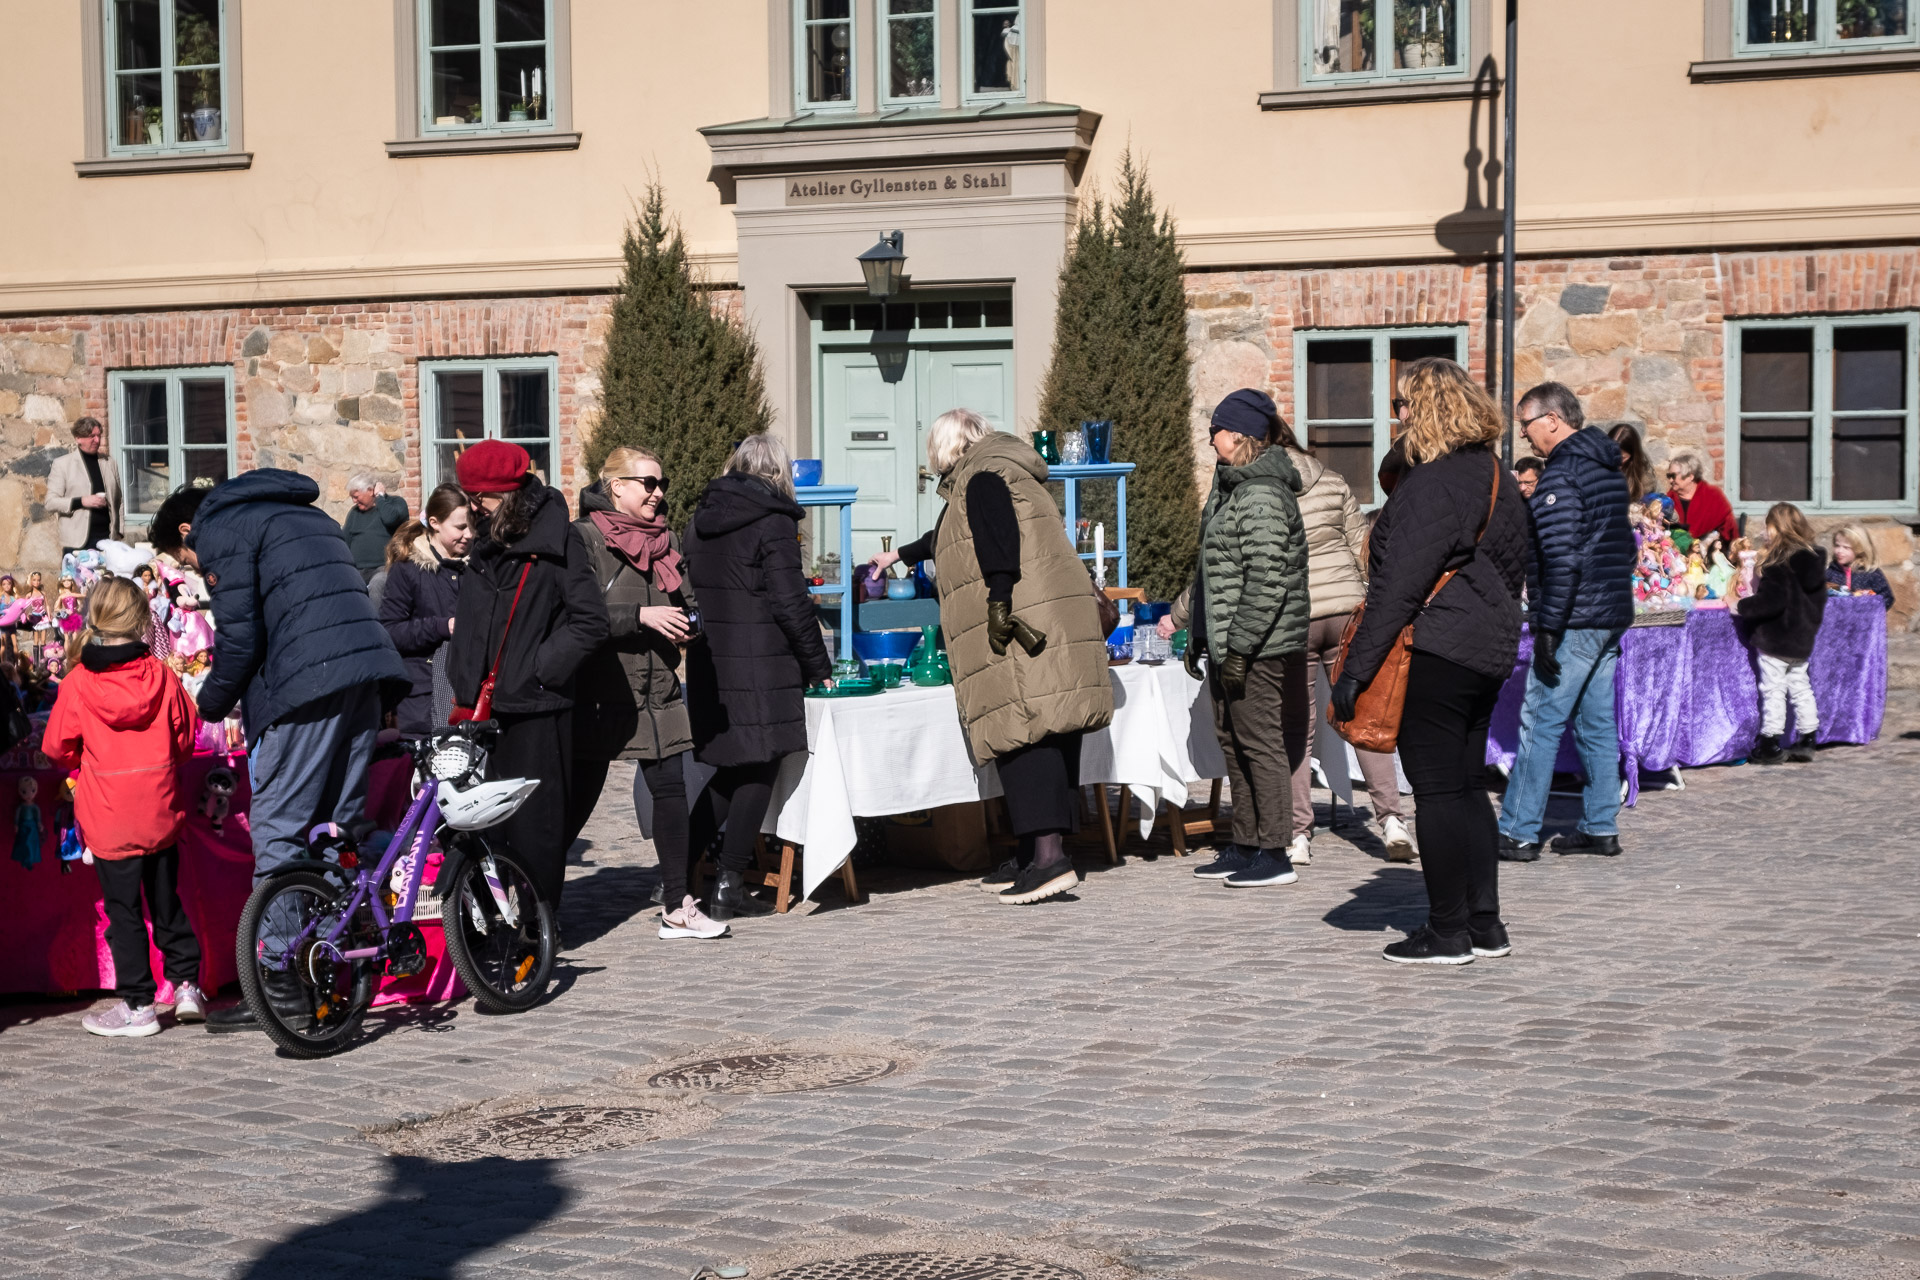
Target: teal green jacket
1252,577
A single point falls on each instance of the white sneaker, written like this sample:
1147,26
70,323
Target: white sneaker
1300,852
189,1003
122,1021
1399,841
690,922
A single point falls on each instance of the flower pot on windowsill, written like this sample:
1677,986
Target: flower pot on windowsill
156,135
517,117
206,123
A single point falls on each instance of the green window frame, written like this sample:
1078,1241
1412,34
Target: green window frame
1343,385
1425,40
826,55
1817,413
1794,28
166,428
173,102
910,53
980,59
463,402
489,48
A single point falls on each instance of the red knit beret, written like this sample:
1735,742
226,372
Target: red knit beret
493,466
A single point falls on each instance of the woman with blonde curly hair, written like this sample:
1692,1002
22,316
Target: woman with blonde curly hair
1448,556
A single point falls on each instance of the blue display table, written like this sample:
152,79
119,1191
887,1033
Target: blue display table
841,496
1070,478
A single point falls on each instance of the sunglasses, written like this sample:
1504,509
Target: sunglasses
651,484
1399,408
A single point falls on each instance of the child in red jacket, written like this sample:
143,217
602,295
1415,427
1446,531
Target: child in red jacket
124,721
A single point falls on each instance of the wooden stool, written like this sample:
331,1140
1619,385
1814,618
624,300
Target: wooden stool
778,876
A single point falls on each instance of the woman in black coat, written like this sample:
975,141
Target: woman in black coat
759,650
1454,509
529,549
423,587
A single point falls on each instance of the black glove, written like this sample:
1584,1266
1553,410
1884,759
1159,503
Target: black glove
1546,662
1233,676
1002,626
1191,658
1344,697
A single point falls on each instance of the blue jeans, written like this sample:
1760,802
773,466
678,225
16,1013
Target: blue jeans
1583,694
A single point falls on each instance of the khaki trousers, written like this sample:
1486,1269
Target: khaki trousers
1263,738
1323,650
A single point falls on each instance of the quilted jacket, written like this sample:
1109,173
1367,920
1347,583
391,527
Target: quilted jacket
1252,583
1336,539
1583,557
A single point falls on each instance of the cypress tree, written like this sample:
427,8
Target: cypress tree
1120,352
678,379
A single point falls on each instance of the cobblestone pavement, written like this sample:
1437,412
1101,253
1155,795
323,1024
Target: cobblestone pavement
1702,1060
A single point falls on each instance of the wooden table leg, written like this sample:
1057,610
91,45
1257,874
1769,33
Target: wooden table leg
848,883
1106,821
784,891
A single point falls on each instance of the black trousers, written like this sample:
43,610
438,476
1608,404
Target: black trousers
1443,748
122,881
665,780
738,796
1042,784
538,746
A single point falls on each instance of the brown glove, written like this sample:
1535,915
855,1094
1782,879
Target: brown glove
1002,626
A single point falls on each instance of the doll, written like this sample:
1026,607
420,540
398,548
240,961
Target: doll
72,848
69,611
216,797
8,592
1749,559
26,825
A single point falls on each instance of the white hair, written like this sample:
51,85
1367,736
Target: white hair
952,434
360,482
1688,461
764,457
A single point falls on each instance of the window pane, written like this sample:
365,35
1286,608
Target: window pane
836,316
899,316
196,33
523,404
463,412
829,36
144,405
136,29
1871,19
198,96
448,461
144,473
966,315
910,68
1776,370
996,47
1348,451
1339,380
209,465
1424,34
520,83
1776,460
1779,21
139,115
1343,36
997,313
456,87
1870,367
519,20
203,412
455,22
933,315
542,454
1869,459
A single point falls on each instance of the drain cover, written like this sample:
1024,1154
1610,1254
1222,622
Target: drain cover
928,1266
775,1072
556,1131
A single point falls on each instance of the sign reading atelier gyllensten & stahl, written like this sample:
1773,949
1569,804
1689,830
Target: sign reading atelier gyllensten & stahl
899,184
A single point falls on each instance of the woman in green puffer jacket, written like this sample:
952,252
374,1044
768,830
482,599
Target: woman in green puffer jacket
1251,621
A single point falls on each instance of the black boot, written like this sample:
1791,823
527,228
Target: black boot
1767,750
284,992
730,899
1801,752
1512,850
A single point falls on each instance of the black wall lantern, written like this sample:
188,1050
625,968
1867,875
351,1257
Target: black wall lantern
884,265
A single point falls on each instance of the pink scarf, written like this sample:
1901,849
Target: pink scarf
644,543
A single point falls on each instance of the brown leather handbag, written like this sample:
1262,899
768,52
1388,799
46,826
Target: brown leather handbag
1376,713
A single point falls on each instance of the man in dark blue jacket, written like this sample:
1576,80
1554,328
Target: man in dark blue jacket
299,651
1580,601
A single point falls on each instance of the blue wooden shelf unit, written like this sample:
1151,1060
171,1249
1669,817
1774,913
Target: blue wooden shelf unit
1071,477
841,496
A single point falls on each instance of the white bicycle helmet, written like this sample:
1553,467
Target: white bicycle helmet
485,804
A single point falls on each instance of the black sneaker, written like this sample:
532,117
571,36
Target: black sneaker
1269,866
1424,946
1491,943
1036,883
1226,861
1767,750
1002,876
1512,850
1801,751
1581,842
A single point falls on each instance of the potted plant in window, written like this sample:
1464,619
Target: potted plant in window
156,128
1420,34
517,111
197,44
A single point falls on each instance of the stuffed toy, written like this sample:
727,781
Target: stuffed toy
71,846
216,797
26,826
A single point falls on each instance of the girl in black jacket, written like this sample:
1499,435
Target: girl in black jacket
427,557
529,549
1785,610
759,649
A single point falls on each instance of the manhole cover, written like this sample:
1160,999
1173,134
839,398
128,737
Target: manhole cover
556,1131
928,1266
775,1072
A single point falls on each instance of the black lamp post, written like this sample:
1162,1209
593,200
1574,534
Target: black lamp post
884,265
1507,283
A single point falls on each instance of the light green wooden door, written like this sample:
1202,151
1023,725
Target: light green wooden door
980,379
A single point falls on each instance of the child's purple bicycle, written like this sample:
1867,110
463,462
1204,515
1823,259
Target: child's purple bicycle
315,936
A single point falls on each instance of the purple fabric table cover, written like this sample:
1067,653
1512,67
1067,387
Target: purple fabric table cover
1690,695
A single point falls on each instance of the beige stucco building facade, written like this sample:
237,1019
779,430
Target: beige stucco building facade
349,238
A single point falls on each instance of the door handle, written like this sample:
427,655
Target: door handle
925,475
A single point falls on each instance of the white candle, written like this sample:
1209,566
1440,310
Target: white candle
536,82
523,85
1100,554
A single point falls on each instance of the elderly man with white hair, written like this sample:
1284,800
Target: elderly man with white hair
375,515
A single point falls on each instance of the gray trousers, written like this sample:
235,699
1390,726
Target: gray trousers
311,767
1323,650
1262,738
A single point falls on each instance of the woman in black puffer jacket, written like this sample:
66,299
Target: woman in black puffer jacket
1456,508
759,650
423,589
528,548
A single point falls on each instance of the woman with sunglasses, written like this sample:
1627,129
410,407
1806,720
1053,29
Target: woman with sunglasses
628,704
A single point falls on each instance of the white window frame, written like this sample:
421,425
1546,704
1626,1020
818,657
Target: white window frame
884,55
489,73
1822,413
1826,38
1021,25
1383,391
170,143
118,448
1388,74
800,100
491,368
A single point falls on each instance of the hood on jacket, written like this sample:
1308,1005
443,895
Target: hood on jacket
734,501
1588,444
95,656
126,696
424,557
1007,448
594,498
1309,467
1274,463
269,484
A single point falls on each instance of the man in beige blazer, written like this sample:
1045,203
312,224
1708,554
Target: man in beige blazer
83,489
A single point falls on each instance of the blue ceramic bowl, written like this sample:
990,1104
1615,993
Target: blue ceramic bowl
902,589
885,646
807,472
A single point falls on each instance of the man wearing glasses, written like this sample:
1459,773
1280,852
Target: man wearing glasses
1580,589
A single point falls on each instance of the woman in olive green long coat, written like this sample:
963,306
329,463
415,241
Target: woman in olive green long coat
1023,633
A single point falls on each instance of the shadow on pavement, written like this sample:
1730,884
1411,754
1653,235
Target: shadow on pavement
430,1219
593,906
1394,898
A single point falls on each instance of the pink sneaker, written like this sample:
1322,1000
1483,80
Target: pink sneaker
690,922
189,1003
122,1021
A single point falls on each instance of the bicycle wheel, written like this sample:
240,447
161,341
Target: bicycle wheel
308,1001
505,956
